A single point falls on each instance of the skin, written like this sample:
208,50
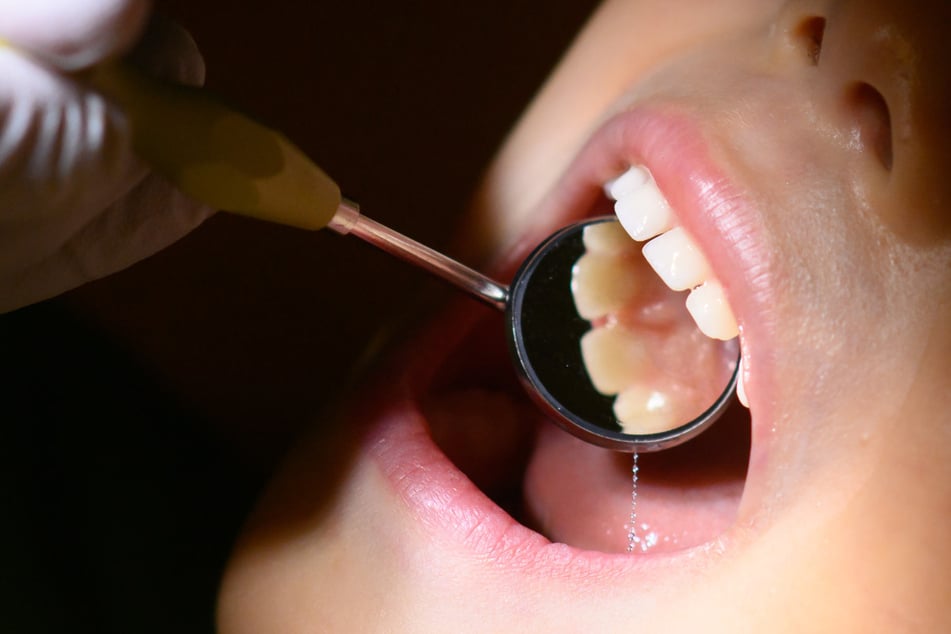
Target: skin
838,152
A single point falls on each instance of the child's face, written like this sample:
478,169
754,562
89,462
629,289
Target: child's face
805,146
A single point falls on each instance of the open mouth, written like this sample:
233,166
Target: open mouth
563,488
479,465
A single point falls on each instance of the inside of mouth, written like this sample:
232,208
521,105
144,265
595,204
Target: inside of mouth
568,490
601,338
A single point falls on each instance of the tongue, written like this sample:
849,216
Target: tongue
578,494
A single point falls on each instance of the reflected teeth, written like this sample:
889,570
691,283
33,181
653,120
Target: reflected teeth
605,238
642,410
644,213
603,280
614,359
602,285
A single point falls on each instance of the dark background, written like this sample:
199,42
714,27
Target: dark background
141,414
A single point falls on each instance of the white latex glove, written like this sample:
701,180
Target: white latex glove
75,202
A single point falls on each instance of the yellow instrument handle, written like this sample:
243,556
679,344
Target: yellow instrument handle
218,155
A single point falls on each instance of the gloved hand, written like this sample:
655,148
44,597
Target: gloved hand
75,202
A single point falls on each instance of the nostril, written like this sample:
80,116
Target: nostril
808,37
872,119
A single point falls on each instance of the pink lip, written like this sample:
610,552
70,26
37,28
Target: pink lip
442,499
444,502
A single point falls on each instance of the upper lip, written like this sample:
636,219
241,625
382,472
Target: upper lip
705,202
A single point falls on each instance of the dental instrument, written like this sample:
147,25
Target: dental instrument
225,159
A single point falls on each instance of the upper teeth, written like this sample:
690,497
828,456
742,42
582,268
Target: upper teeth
677,260
645,214
641,208
707,305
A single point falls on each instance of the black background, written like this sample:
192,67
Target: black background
142,413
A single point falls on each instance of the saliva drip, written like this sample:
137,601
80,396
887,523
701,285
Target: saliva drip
632,538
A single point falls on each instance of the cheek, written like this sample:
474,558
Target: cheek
889,95
918,210
826,246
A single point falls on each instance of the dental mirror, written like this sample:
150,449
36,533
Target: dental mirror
546,335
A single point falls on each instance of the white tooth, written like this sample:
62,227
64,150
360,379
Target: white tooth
601,284
614,358
626,183
741,386
708,306
644,212
641,410
608,238
677,260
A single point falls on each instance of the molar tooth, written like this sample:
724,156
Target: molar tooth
741,386
602,284
614,358
608,238
644,212
677,260
642,410
708,306
627,183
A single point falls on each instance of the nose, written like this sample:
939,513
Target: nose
799,30
861,112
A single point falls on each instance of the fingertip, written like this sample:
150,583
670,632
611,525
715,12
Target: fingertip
73,34
167,50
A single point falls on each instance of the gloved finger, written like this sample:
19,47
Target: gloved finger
65,154
151,217
72,34
65,151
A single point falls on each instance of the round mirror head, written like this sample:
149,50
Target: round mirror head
607,349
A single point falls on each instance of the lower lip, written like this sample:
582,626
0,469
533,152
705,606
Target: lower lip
447,505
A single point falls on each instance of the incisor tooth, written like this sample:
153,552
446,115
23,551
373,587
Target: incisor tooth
608,238
644,212
602,284
708,306
614,358
677,260
627,183
641,410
